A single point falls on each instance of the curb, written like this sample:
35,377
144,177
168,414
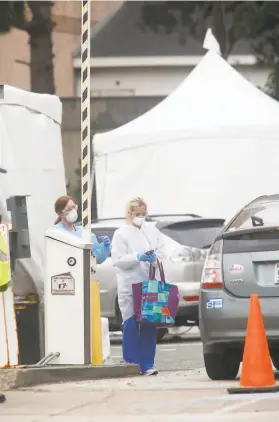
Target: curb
26,377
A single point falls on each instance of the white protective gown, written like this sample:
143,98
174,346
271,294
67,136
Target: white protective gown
127,242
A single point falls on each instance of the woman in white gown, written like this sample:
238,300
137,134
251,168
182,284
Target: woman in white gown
129,246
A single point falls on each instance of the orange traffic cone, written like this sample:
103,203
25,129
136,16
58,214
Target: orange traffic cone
257,373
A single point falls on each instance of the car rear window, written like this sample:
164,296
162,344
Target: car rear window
200,234
265,214
195,234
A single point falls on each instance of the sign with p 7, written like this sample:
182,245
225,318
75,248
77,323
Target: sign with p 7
63,284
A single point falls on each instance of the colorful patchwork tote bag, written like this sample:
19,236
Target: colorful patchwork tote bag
155,301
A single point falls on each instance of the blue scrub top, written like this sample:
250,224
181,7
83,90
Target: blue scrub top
99,250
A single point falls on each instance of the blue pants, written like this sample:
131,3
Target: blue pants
139,344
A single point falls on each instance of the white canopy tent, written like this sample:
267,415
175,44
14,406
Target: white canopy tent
208,148
31,151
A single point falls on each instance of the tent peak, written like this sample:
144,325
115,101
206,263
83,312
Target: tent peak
210,43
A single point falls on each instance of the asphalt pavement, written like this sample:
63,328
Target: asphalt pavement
181,392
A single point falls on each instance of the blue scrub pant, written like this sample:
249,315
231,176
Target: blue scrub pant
139,344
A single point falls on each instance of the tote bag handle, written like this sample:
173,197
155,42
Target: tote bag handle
152,271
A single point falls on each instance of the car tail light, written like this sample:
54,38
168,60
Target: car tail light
191,298
212,271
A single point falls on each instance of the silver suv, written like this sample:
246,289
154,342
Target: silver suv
243,260
187,239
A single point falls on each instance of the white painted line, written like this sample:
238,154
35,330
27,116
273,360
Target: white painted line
188,344
231,407
215,414
167,350
193,343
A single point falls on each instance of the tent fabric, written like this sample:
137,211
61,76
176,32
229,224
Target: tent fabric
48,105
214,98
208,148
31,151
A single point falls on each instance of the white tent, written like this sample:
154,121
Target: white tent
31,151
208,148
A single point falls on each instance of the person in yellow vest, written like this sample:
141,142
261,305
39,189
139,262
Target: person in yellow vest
5,273
5,277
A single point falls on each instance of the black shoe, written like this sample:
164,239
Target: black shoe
2,398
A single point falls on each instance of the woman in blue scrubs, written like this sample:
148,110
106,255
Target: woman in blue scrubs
66,210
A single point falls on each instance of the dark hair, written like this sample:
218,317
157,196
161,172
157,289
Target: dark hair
60,204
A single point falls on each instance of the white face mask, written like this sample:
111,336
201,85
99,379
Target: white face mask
138,221
72,216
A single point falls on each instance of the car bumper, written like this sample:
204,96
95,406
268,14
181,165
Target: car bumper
227,325
188,300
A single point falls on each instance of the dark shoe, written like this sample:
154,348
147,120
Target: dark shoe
2,398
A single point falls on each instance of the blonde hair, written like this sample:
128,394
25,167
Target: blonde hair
133,203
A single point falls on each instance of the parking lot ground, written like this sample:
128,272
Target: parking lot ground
181,392
171,396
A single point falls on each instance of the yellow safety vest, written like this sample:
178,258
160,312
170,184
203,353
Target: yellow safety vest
5,273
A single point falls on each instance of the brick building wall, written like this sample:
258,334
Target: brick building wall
15,54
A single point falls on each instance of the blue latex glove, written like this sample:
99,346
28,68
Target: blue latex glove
152,257
105,239
143,257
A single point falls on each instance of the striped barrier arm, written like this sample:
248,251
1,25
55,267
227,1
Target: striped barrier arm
85,116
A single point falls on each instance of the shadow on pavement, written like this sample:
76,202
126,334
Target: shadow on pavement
180,339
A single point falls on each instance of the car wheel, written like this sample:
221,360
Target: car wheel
161,333
222,367
275,359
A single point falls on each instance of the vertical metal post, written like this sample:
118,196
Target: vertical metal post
95,314
85,120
